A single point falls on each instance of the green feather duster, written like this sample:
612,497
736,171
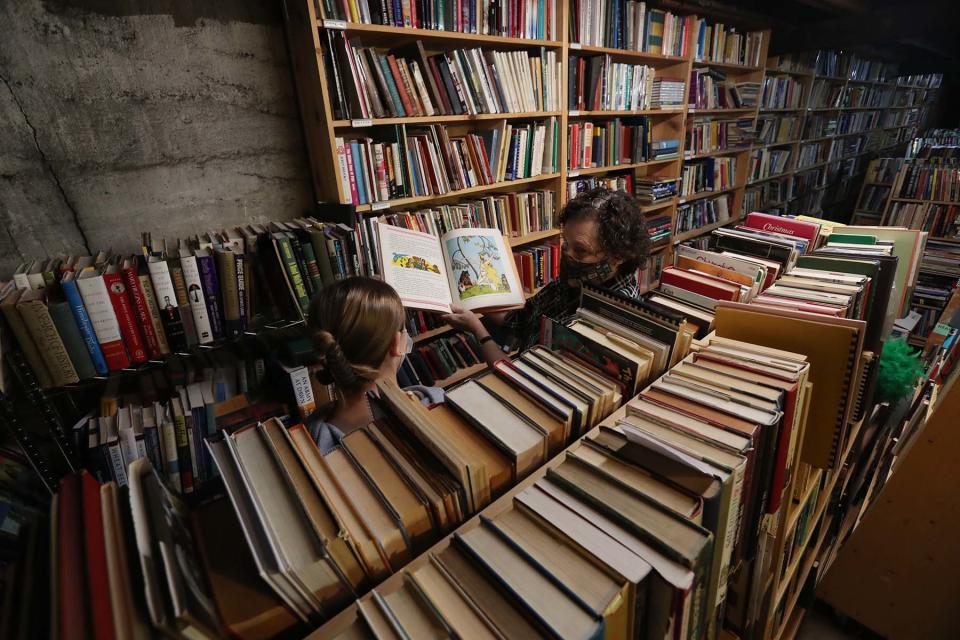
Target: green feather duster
900,367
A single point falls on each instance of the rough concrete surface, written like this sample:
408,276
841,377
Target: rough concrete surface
123,116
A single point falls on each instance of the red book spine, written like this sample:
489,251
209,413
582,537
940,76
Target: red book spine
401,87
125,317
72,618
783,447
139,303
785,226
555,262
351,175
98,581
678,278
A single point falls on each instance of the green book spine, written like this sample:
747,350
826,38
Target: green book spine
293,272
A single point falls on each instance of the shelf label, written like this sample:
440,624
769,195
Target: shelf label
335,24
574,112
379,206
573,174
365,122
576,45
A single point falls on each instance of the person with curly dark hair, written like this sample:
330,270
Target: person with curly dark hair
605,242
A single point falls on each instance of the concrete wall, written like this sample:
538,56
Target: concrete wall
123,116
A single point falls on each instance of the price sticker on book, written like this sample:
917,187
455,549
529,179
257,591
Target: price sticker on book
573,174
379,206
335,24
364,122
574,112
576,45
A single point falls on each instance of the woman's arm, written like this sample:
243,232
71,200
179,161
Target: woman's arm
467,320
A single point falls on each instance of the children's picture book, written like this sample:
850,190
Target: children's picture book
473,268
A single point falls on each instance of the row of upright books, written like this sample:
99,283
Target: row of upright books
404,161
939,220
614,142
79,317
781,92
708,174
701,213
705,135
531,19
938,181
412,82
629,25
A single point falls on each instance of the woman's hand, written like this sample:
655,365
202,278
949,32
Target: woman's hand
465,320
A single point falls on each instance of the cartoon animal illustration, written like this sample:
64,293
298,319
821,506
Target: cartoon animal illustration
465,282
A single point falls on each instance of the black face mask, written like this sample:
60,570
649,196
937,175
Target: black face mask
594,272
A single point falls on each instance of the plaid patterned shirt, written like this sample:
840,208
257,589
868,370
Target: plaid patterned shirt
557,300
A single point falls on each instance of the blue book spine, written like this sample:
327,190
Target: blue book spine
358,170
86,327
211,294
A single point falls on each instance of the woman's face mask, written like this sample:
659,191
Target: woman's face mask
596,272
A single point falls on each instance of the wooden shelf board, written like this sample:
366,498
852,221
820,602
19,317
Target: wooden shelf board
431,333
693,233
654,59
720,111
707,194
348,124
750,183
767,145
729,66
945,202
720,152
435,34
581,113
402,202
460,374
802,74
536,236
644,208
573,173
766,110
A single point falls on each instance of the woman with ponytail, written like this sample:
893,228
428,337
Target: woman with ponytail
359,334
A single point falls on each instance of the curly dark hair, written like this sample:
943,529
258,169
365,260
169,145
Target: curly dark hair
622,229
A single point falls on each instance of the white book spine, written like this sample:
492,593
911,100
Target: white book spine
93,291
342,167
191,276
168,444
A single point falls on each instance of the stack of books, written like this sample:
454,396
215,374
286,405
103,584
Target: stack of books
653,190
667,93
659,228
597,83
665,149
708,174
620,182
610,143
408,82
412,161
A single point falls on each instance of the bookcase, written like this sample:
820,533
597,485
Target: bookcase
850,109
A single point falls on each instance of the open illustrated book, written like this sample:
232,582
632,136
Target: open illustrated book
470,267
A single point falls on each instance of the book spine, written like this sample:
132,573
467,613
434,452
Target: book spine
104,321
139,306
168,445
150,300
243,293
84,325
302,391
227,266
185,464
293,272
117,467
37,318
198,305
211,294
168,305
117,291
69,332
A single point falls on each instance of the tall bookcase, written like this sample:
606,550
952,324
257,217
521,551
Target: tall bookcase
307,40
845,120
